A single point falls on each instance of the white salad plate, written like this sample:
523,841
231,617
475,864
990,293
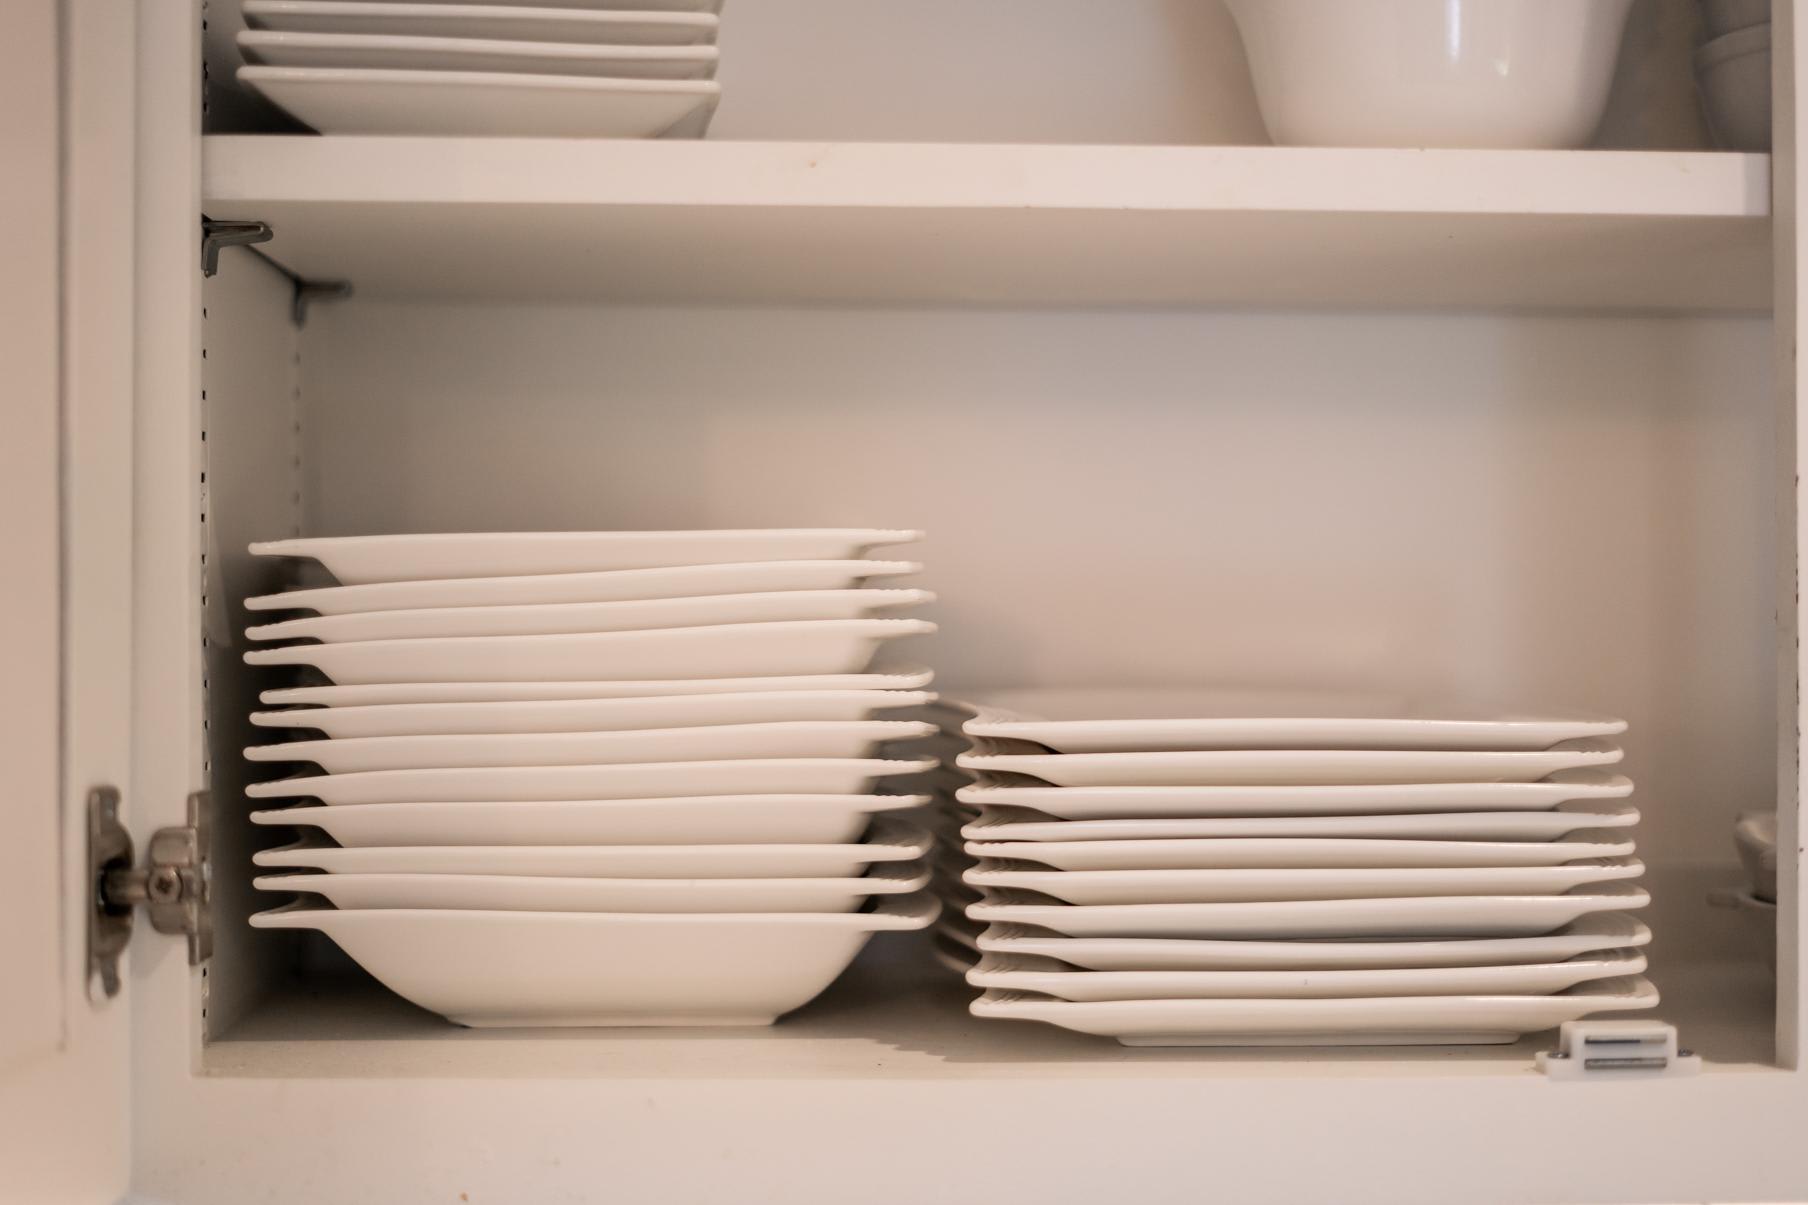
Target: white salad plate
1155,719
1292,767
609,585
808,646
354,560
1414,916
278,49
1363,1021
505,22
550,619
890,840
632,6
1029,973
590,715
710,743
1294,852
375,693
1589,935
547,893
710,820
599,968
1148,803
651,780
1106,887
1003,824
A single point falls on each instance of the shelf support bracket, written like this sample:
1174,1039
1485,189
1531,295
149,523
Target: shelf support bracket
307,292
216,234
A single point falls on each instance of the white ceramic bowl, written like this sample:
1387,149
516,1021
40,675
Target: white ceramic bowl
600,968
1724,16
1733,72
1431,73
1756,837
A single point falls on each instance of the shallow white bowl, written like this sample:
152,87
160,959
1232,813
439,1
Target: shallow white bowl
600,968
279,49
1431,73
1733,72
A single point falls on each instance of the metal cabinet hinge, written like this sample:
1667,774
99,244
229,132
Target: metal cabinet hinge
172,885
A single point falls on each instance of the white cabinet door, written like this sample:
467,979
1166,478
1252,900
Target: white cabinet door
65,581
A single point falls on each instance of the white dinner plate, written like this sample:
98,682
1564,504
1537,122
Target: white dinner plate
806,646
608,585
1421,916
548,619
1294,852
590,715
758,776
1590,935
1292,767
629,6
600,968
369,694
1106,887
1029,973
547,893
1156,719
505,22
1365,1021
1149,803
354,560
1019,824
710,743
695,820
890,840
279,49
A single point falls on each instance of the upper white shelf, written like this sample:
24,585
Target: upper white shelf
674,221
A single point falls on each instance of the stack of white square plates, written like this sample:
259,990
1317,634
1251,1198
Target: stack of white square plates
1172,868
613,778
523,68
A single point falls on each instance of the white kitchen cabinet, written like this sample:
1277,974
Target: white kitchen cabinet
1515,423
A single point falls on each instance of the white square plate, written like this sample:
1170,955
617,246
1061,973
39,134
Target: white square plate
713,743
1421,916
546,893
759,776
1018,824
1028,973
1106,887
1293,767
807,646
1408,1020
711,820
891,840
278,49
375,693
590,715
1157,719
354,560
1226,853
549,619
609,585
505,22
1591,934
1325,799
542,968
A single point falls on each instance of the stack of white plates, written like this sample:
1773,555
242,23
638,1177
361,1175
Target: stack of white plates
1168,868
610,778
526,68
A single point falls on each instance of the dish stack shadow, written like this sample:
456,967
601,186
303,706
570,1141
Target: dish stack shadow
594,778
1174,869
579,69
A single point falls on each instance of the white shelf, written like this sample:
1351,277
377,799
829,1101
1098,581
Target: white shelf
887,223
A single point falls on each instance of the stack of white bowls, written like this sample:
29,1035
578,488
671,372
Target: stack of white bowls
523,68
594,778
1168,868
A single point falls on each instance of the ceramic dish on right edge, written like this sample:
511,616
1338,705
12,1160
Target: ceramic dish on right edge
1367,1021
541,968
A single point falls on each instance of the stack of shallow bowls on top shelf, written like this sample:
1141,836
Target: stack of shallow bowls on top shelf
543,68
1168,868
615,778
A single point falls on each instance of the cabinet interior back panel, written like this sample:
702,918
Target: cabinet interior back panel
1570,511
